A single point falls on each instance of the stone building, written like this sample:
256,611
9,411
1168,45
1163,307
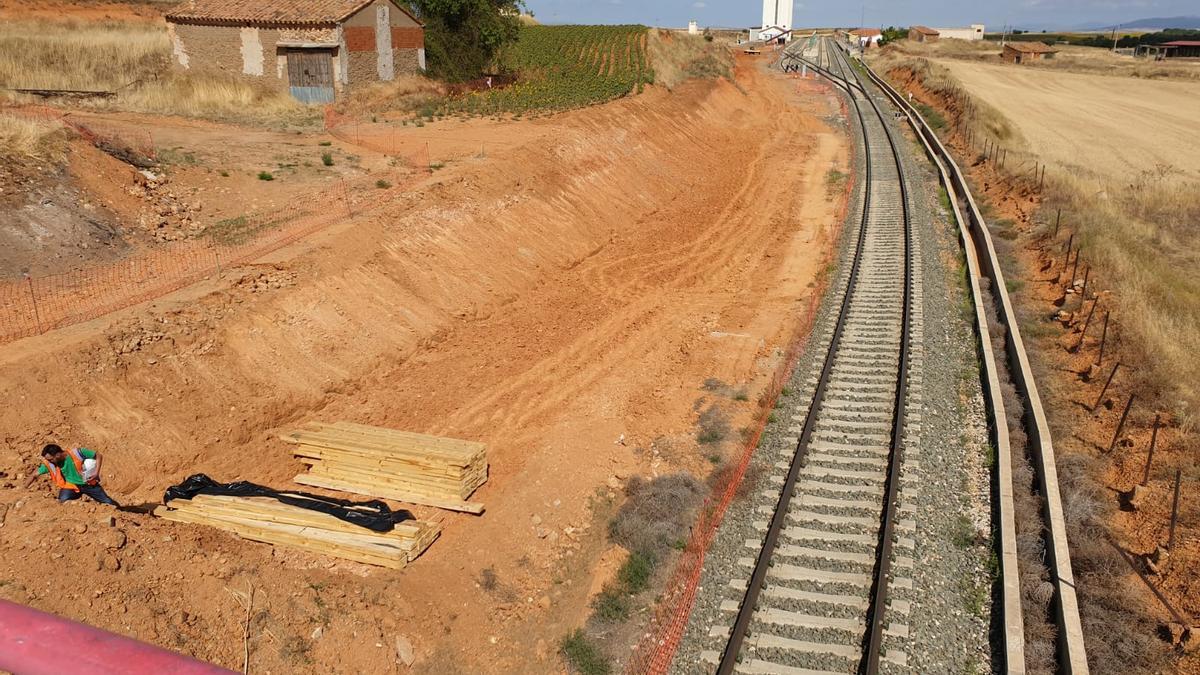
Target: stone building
314,48
1024,52
922,34
970,33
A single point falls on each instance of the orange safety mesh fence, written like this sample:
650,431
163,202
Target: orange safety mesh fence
384,137
35,305
93,131
656,649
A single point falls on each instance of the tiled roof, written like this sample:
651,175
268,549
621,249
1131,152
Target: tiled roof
866,32
1182,43
925,29
291,12
1031,47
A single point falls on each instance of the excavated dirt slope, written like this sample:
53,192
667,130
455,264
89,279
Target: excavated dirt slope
569,290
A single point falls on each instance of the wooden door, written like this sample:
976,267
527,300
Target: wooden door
310,75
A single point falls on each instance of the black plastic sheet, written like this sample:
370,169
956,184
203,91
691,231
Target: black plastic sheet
373,515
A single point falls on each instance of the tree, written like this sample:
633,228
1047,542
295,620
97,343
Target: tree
892,33
462,37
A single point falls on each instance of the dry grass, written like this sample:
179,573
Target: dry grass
80,55
217,96
405,94
133,60
21,137
1070,58
678,57
1140,236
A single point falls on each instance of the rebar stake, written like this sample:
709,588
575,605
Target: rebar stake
1150,455
1121,424
1105,388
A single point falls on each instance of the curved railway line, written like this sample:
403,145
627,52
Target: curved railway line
821,592
827,582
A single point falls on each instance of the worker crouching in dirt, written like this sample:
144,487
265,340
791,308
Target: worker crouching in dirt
75,472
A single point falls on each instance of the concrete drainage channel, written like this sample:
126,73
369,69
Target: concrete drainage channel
825,577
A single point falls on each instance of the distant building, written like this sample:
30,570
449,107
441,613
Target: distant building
1182,49
693,28
972,32
776,19
922,34
866,36
313,48
1024,52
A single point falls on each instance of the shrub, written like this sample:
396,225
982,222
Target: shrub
712,426
635,573
265,175
382,184
611,605
327,159
655,513
583,656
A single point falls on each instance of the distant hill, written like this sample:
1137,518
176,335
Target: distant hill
1158,23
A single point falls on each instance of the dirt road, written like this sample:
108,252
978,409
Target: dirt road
559,294
1093,123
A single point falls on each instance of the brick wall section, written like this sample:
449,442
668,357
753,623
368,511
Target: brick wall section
408,38
360,38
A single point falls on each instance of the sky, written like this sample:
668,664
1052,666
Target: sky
1052,14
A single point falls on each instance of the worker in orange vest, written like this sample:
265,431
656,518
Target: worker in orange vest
72,473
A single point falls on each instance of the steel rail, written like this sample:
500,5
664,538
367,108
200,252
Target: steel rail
876,612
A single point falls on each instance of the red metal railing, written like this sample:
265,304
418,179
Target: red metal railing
37,643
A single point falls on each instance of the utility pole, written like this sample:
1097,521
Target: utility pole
1115,37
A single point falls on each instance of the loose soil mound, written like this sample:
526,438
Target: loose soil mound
563,301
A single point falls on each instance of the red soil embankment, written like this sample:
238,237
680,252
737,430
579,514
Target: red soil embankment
563,293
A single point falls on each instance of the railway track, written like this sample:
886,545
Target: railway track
827,587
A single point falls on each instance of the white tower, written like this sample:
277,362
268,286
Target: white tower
777,13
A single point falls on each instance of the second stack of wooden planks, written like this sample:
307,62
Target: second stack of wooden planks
401,465
273,522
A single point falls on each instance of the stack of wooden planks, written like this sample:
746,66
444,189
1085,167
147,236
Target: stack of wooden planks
400,465
273,522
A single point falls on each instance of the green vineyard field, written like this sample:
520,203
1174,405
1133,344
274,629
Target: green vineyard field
563,67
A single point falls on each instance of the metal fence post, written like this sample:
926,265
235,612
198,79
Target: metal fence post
1121,424
1150,455
1174,513
1103,338
1104,389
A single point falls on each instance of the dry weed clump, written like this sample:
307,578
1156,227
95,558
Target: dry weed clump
657,513
26,138
678,57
